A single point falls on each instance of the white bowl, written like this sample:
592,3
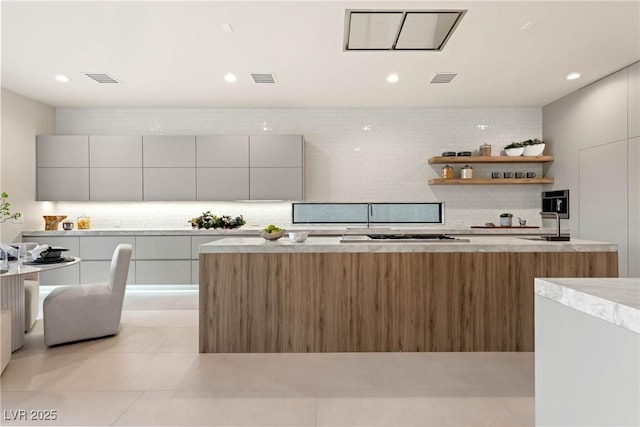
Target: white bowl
298,237
533,150
513,152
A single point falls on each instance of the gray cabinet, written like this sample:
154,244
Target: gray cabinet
62,151
69,184
166,272
163,247
169,151
634,206
633,100
276,167
275,151
122,184
276,184
169,184
115,151
96,254
222,151
62,167
222,184
60,276
603,111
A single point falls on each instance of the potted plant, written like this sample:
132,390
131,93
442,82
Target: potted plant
533,147
514,149
5,211
505,219
207,220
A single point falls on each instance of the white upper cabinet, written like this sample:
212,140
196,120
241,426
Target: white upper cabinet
222,183
168,184
276,184
68,184
221,151
603,111
115,151
273,151
169,151
115,184
62,151
634,100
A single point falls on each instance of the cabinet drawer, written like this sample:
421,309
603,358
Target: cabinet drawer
102,248
163,247
98,272
163,272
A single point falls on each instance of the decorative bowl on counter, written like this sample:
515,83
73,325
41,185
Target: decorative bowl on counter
533,150
298,237
514,152
272,236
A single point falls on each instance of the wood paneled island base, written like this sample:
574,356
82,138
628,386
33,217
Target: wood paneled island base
371,302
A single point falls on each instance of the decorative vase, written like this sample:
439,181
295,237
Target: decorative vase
51,221
533,150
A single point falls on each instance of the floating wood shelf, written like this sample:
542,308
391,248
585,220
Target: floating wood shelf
491,159
490,181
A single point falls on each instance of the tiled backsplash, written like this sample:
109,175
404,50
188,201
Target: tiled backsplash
351,155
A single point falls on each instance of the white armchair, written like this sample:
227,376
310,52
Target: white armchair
73,313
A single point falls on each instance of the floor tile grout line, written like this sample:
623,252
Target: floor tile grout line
128,408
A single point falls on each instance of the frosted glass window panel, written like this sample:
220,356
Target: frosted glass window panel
329,213
423,213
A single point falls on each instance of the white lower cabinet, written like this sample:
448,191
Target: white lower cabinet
96,253
163,272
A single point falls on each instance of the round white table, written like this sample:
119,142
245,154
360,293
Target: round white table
12,294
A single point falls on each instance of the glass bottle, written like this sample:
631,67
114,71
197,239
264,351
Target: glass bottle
466,172
447,172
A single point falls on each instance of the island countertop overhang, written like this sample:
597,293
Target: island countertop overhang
472,244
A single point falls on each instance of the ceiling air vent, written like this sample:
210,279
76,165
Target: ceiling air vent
443,78
263,77
101,77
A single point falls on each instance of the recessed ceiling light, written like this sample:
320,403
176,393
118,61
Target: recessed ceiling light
226,28
62,78
230,77
393,78
573,76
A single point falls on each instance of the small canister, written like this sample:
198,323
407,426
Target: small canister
84,222
466,172
485,150
447,172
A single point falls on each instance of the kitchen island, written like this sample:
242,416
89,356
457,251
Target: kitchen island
327,296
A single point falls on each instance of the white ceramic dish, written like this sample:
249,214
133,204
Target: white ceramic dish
514,152
533,150
298,237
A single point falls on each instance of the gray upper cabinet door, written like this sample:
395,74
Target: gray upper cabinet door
168,184
62,151
275,151
603,111
68,184
121,184
220,151
169,151
115,151
634,101
276,184
222,184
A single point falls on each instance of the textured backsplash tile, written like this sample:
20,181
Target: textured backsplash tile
350,155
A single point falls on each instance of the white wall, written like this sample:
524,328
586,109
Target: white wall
593,134
22,119
343,162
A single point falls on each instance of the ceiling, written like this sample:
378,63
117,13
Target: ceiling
176,54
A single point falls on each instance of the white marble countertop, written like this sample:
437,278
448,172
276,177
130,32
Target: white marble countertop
615,300
472,244
314,230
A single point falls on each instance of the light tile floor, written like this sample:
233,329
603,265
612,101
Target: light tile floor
151,374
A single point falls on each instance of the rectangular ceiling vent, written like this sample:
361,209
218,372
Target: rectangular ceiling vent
263,77
101,77
399,29
443,78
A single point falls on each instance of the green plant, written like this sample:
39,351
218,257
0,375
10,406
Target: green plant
513,145
208,220
534,141
506,215
5,211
